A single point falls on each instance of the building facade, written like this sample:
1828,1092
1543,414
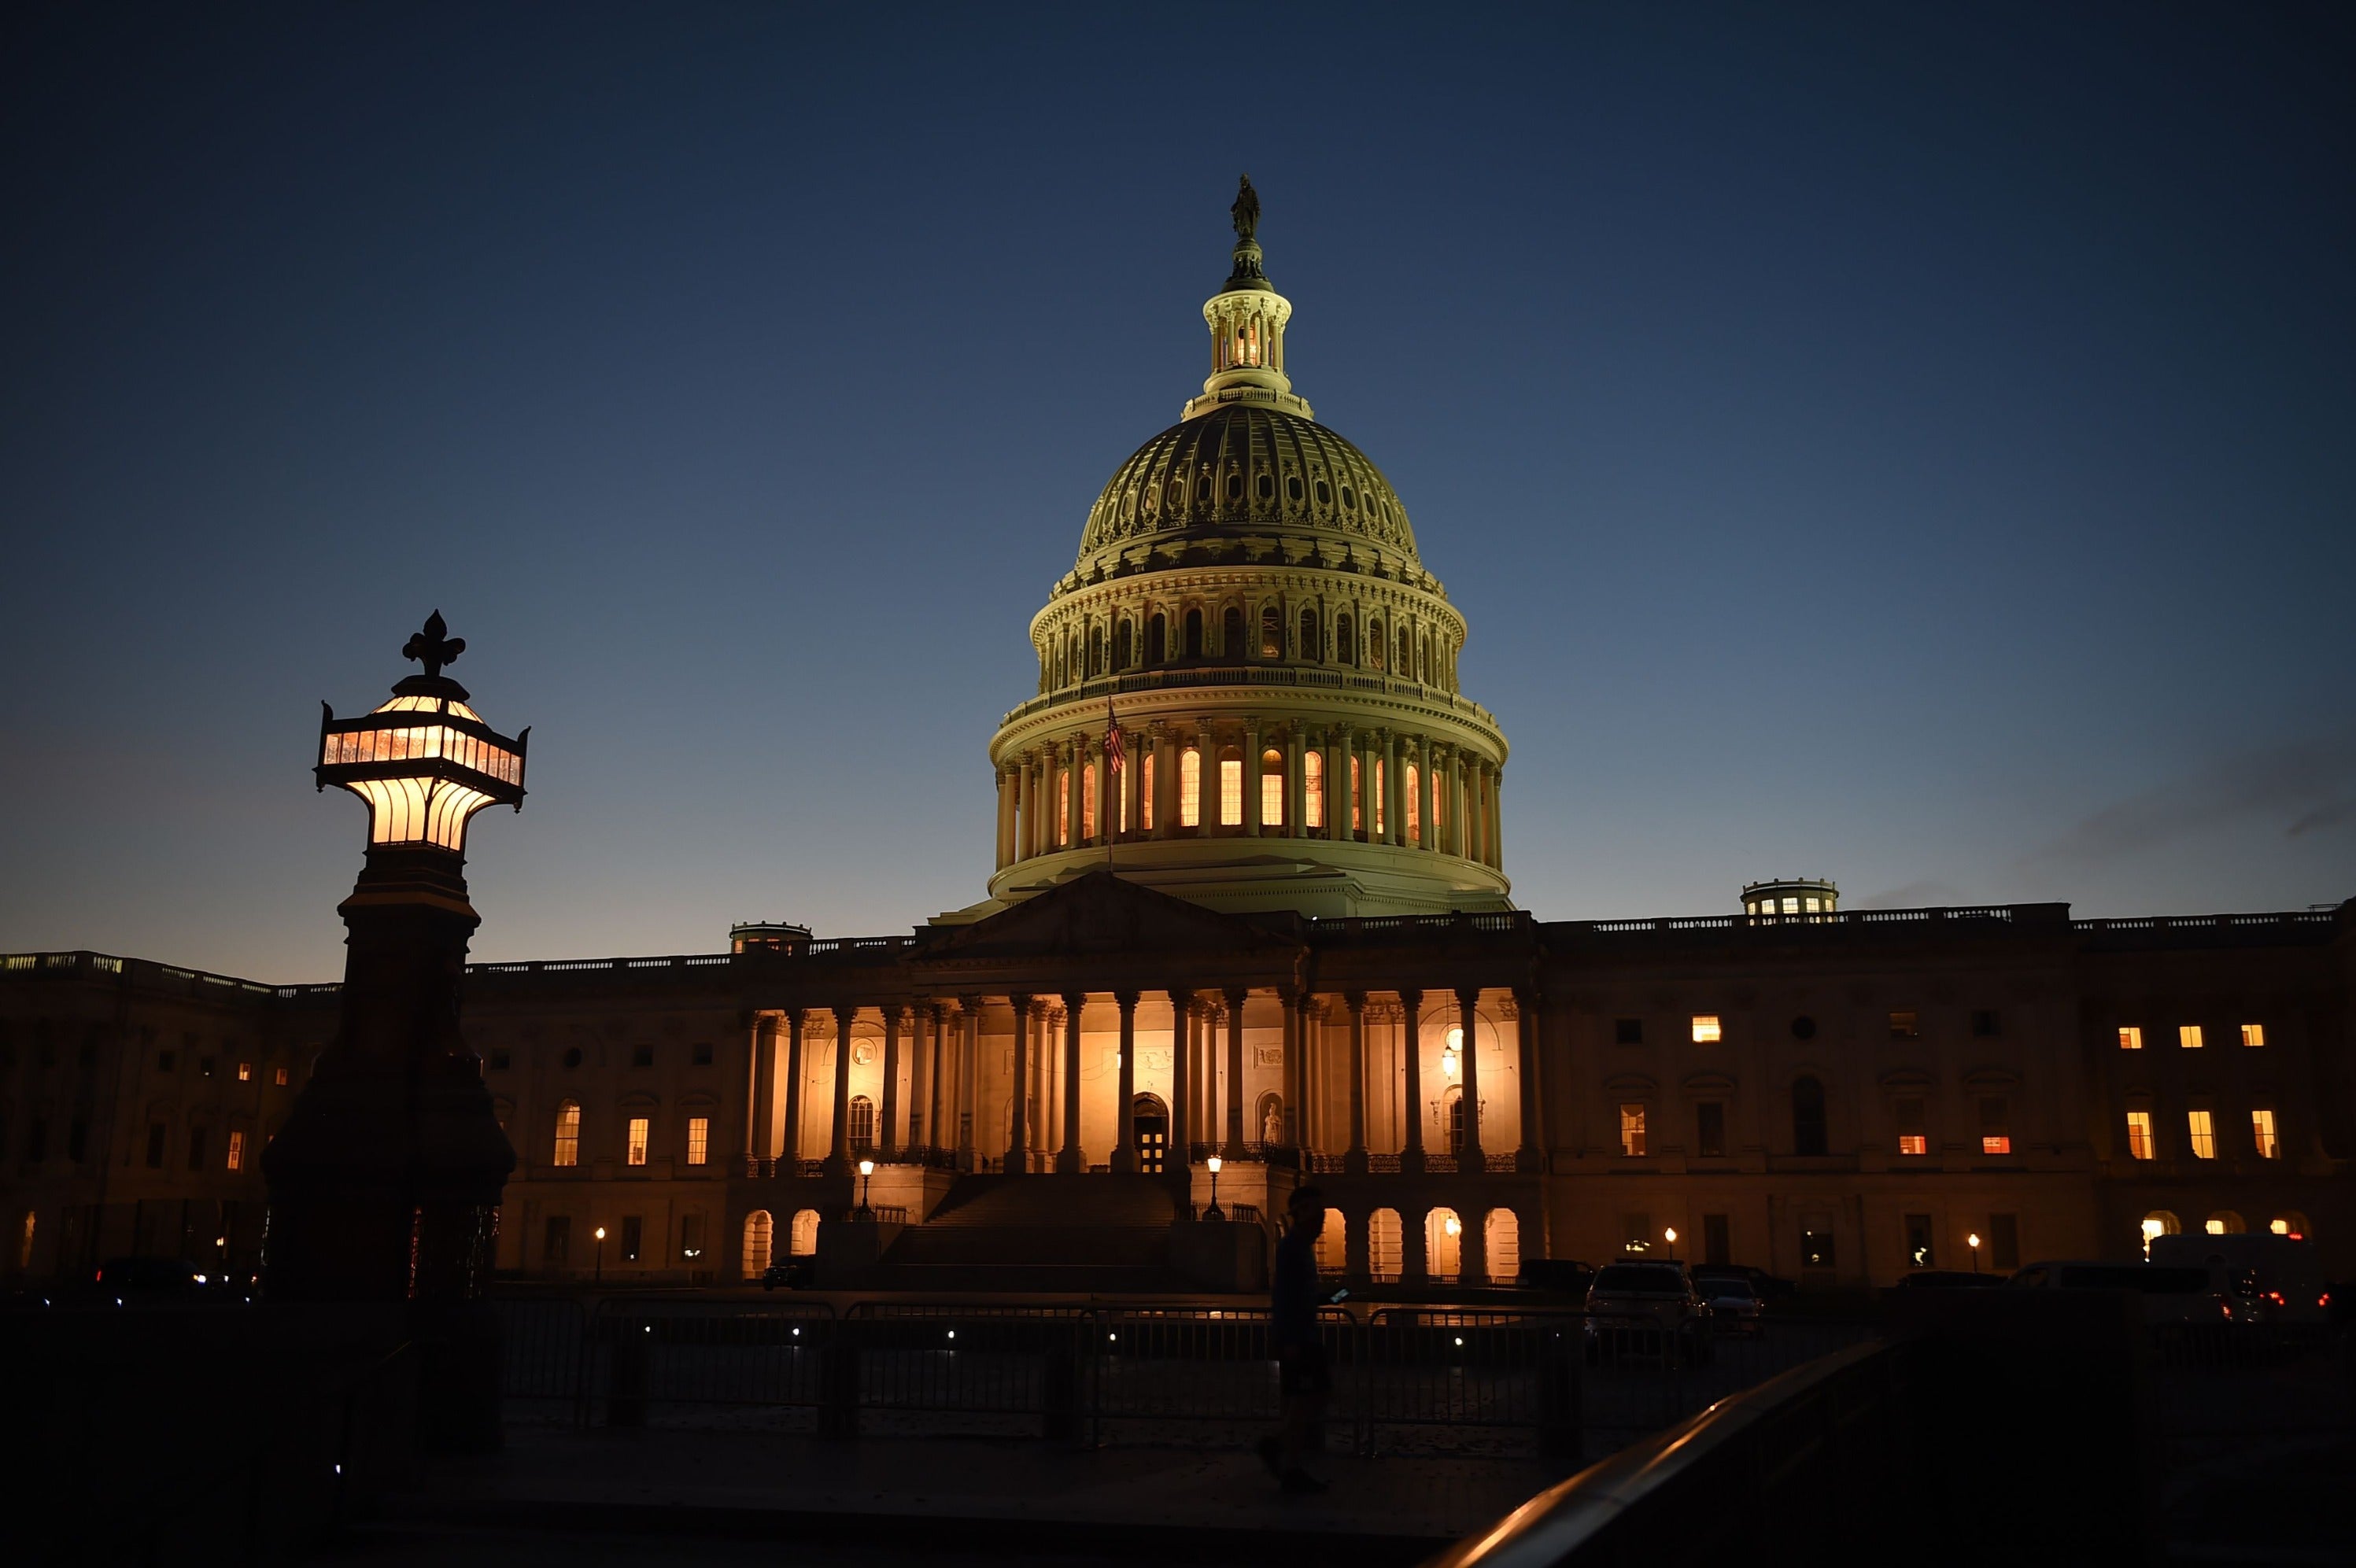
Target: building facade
1250,902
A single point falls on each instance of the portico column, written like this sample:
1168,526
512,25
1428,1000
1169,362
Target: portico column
1210,790
1497,811
1456,824
1394,819
1296,816
760,1116
1026,809
1431,797
1236,1073
1165,780
969,1073
1018,1131
1289,1133
1075,763
789,1151
888,1136
1411,1158
1468,1013
1178,1167
1069,1159
1005,811
1124,1148
1132,794
1337,781
1527,1152
1355,1160
1251,784
838,1156
931,1025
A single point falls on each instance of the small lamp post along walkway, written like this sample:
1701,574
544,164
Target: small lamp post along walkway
866,1171
1973,1242
1213,1212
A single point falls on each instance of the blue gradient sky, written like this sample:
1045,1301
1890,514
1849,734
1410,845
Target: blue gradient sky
1913,448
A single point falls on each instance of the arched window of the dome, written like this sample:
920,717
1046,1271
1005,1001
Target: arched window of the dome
1345,641
1264,487
1231,633
1235,483
1157,638
1203,487
1413,833
1313,788
1096,651
1271,788
1123,639
1349,499
1193,634
1406,654
1271,633
1377,649
1231,786
1325,494
1190,787
1311,648
1292,488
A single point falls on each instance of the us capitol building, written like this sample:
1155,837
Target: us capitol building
1248,924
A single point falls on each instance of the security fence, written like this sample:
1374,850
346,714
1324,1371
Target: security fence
1404,1379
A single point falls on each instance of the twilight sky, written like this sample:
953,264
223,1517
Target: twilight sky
1906,444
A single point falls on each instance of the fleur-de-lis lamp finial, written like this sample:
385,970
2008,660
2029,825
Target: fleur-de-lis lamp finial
433,647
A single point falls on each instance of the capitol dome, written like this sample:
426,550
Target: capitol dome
1247,682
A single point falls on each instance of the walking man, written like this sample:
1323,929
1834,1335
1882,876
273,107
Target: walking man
1304,1380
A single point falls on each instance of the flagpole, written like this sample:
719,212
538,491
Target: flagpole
1119,754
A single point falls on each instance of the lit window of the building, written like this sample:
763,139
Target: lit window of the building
1312,789
1914,1143
1414,806
2140,1135
1631,1130
1995,1135
2189,1036
1378,800
278,1076
1088,803
2262,1131
2203,1127
2130,1037
1190,788
237,1149
245,1069
1912,1138
699,1139
1231,792
1064,807
1704,1028
637,1145
1271,789
1144,793
1792,905
568,1134
1357,798
2253,1035
2279,1227
1813,906
1905,1025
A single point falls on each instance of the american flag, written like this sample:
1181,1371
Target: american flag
1115,753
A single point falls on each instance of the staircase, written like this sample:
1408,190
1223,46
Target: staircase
1090,1234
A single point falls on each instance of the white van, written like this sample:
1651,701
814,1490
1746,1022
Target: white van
2269,1278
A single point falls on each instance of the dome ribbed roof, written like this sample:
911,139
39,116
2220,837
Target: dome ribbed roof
1243,470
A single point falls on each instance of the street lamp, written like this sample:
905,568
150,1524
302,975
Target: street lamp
866,1170
1670,1235
1213,1212
601,1254
1973,1242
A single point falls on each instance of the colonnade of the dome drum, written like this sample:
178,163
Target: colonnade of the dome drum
1217,778
1355,1083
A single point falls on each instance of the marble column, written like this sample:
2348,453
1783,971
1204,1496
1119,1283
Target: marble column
1467,1014
789,1150
1124,1148
1070,1159
1237,1136
1165,781
969,1076
1527,1152
1337,783
1177,1163
1251,785
887,1136
760,1116
1355,1160
1429,785
1288,1134
1018,1130
1296,813
1394,795
1412,1157
838,1154
932,1026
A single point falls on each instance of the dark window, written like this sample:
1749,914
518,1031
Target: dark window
573,1057
204,1066
691,1238
1193,634
1325,494
166,1061
1803,1028
1715,1248
1265,485
154,1146
1816,1249
2004,1241
1311,647
1986,1023
1096,651
556,1240
36,1139
501,1061
77,1139
642,1056
1996,1131
699,1053
1235,486
1157,640
196,1149
1920,1251
1345,640
1292,486
1905,1025
1271,633
1710,1131
634,1232
1231,633
1627,1031
1807,1116
1123,640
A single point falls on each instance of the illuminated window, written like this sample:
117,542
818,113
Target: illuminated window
699,1139
1145,793
1914,1143
1912,1138
278,1076
1063,835
2261,1130
1704,1028
1088,803
1231,792
1443,1245
1271,789
637,1143
2158,1223
2204,1135
1385,1244
1920,1251
1905,1025
1812,906
2224,1223
758,1226
1357,797
1190,788
1631,1130
245,1069
804,1239
862,1122
1503,1232
1271,634
568,1134
2130,1037
1379,799
2253,1035
2140,1135
1996,1135
1312,789
1414,805
2189,1036
237,1146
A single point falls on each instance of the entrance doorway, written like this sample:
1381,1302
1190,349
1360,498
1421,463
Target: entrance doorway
1152,1132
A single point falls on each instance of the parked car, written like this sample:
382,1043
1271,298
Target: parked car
2170,1296
793,1273
1566,1274
1646,1310
127,1281
1734,1304
1767,1286
1950,1279
2271,1279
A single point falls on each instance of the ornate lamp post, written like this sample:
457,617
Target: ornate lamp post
385,1181
1213,1212
866,1173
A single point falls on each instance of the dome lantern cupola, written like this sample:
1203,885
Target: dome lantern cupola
1246,319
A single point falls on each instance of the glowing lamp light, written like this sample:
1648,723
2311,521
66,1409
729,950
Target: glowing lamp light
425,762
1670,1236
601,1232
1214,1162
1453,1225
866,1168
